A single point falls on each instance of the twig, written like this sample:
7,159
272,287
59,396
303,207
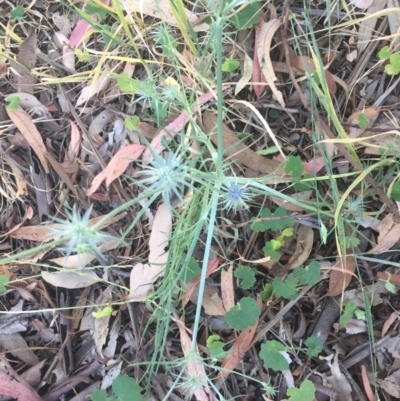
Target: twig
279,316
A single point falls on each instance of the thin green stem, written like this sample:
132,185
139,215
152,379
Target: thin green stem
207,251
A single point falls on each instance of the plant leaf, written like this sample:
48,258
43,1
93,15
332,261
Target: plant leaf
243,315
286,289
117,165
248,276
126,388
306,392
272,354
314,346
308,275
348,313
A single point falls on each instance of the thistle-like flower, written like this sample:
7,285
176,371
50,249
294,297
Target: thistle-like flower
235,196
79,235
169,174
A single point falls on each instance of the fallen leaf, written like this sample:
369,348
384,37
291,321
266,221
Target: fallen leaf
62,23
27,58
211,301
83,259
101,323
367,384
267,33
389,234
307,64
156,8
191,285
194,369
392,278
74,144
71,280
33,375
12,388
28,215
391,384
257,76
370,113
340,278
337,380
24,123
362,3
237,150
238,349
159,237
143,276
82,28
247,73
367,26
117,165
394,22
17,346
99,84
305,241
227,290
390,320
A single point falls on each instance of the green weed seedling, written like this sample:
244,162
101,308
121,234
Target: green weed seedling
393,59
3,282
275,356
288,289
306,392
243,315
216,347
124,388
247,275
17,13
267,291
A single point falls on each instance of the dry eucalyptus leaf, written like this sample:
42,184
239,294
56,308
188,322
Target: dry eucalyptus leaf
394,22
237,150
305,241
95,87
156,8
71,280
367,27
211,302
389,234
24,123
263,50
14,389
17,346
159,237
27,58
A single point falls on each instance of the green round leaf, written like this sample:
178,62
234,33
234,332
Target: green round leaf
271,354
248,276
243,315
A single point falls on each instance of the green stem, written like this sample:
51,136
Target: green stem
207,251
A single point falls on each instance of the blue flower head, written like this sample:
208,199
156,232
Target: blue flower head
235,196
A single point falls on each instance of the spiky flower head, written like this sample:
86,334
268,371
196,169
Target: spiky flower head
79,234
169,174
235,196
